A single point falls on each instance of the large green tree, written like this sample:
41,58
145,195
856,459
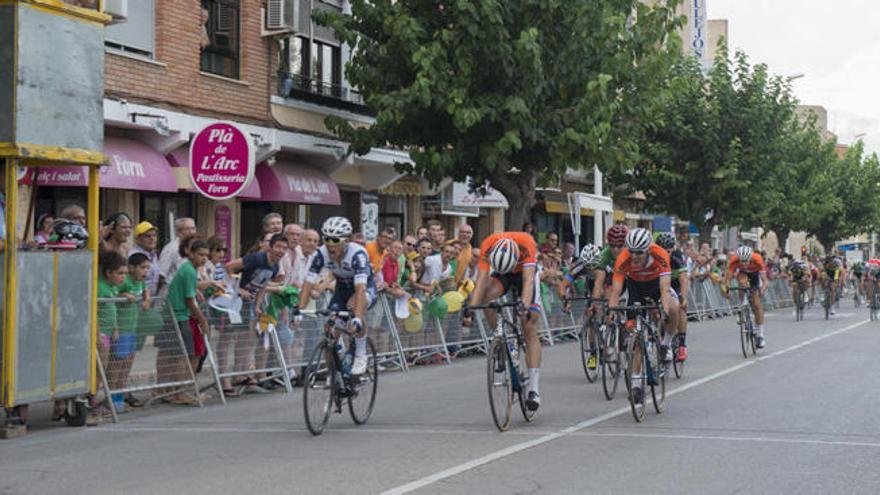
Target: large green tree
512,92
713,154
854,206
801,193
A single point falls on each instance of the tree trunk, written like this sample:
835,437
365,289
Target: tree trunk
519,189
706,232
781,237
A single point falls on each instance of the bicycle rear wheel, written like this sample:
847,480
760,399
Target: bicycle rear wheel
609,360
637,407
529,416
745,333
658,388
318,389
827,303
585,344
362,388
500,387
678,366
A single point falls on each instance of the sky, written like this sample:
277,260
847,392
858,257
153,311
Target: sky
834,44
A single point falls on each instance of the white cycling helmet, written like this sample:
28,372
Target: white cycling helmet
744,253
590,254
504,256
338,227
638,239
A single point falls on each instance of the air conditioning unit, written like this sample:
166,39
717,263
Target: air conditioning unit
282,15
117,9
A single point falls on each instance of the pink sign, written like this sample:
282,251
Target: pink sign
223,227
221,160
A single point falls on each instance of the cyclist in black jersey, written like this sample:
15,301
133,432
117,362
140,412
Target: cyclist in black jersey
681,285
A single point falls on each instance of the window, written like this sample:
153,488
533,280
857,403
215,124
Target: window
137,34
315,67
220,43
159,208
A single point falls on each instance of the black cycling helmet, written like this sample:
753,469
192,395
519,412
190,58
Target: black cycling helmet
666,240
69,232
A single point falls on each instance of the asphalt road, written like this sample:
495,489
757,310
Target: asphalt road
801,417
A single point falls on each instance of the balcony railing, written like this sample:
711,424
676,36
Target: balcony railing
323,93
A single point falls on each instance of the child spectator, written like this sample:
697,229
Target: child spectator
123,350
190,319
113,270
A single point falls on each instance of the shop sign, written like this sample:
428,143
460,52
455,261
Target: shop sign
465,194
221,161
370,215
312,189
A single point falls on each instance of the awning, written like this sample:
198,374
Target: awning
560,207
179,158
133,165
292,183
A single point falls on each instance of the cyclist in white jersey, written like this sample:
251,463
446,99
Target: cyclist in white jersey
355,284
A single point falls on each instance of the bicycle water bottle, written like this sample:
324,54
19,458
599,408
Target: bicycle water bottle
346,364
514,354
649,352
340,349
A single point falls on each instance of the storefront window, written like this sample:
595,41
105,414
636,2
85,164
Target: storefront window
160,208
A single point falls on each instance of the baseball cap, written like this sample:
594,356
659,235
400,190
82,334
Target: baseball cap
143,227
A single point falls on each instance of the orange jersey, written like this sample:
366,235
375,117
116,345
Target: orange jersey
528,250
656,266
754,265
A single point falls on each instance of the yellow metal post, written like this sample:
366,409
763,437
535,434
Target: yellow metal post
10,289
94,240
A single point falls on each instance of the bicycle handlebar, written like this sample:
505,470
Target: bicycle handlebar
637,307
491,305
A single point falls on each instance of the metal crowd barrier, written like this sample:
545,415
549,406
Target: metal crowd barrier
557,324
705,299
147,356
244,352
141,353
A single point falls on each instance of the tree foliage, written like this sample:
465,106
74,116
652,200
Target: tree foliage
715,150
509,91
851,205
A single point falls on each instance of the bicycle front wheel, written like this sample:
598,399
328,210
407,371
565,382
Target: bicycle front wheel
585,344
362,388
500,386
745,332
318,389
637,404
610,362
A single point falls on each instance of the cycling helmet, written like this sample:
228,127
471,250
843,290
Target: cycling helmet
590,254
617,234
338,227
744,253
504,256
666,240
66,231
638,239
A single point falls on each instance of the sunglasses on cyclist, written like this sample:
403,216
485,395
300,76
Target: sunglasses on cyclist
333,240
637,252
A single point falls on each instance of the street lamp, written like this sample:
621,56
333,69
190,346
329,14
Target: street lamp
795,76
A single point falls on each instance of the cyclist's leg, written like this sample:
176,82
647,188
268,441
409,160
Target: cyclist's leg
530,332
494,289
670,304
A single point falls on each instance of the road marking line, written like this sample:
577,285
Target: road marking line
732,439
513,449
